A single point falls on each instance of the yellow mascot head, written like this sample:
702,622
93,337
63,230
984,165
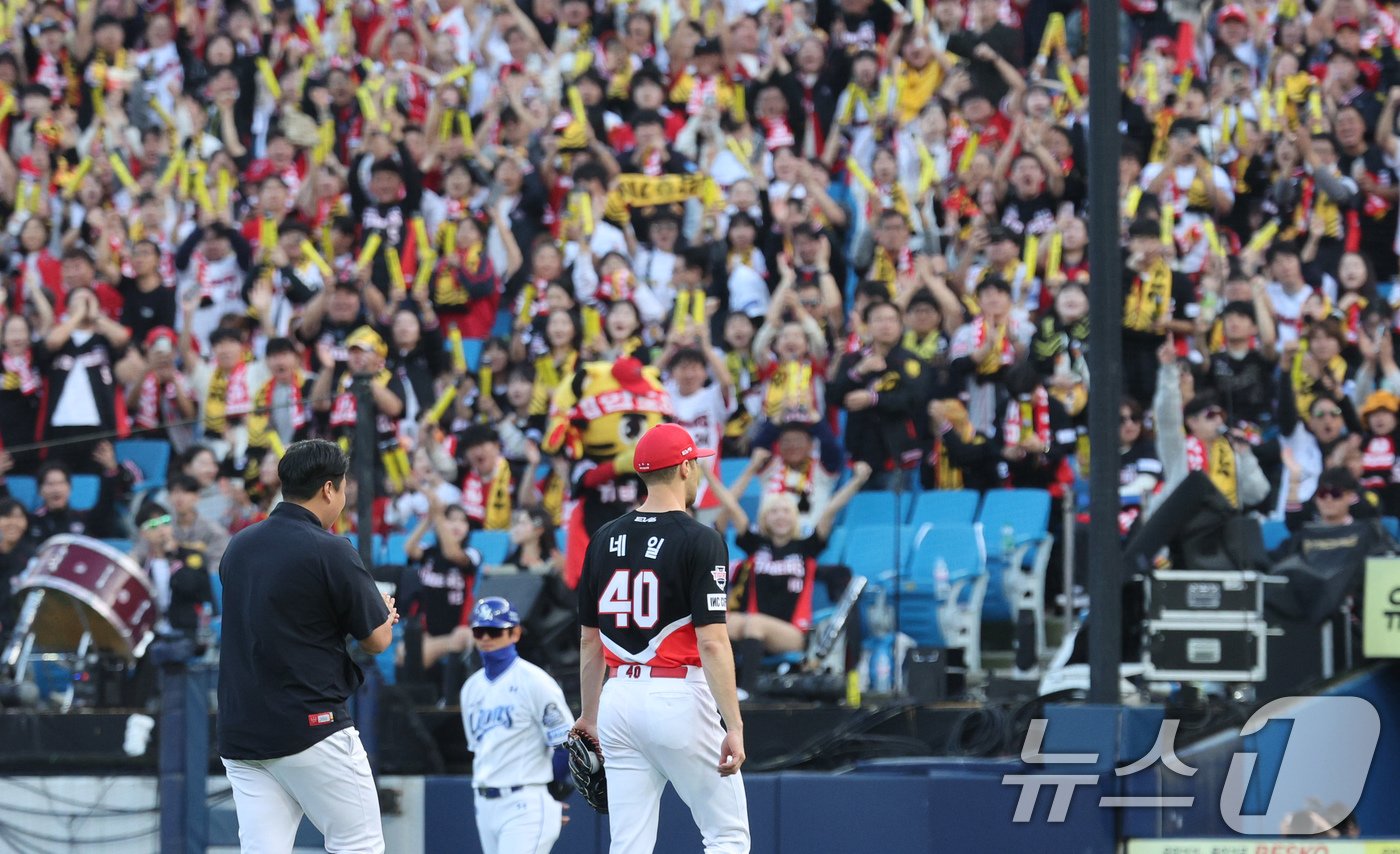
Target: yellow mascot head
602,412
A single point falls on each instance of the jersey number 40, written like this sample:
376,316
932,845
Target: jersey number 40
632,599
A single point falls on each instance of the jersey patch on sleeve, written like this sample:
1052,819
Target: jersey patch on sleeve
556,725
718,602
720,575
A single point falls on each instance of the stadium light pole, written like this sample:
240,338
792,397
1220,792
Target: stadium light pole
1105,355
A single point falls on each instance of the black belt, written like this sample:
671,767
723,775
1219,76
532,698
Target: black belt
491,794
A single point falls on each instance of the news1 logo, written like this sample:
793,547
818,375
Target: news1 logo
1332,743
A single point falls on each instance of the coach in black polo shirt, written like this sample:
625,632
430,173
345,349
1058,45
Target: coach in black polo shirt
292,592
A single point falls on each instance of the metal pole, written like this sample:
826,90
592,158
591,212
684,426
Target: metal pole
362,464
1105,354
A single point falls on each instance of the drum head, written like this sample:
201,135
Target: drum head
90,587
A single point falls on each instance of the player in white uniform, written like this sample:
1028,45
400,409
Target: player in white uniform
516,719
652,604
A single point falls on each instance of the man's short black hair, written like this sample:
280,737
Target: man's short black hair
590,172
308,465
994,281
225,333
280,345
647,117
696,257
1240,307
1338,478
182,483
871,308
923,296
386,165
686,355
8,506
874,290
150,510
479,434
47,468
293,226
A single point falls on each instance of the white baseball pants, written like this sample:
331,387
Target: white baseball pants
655,730
523,822
330,782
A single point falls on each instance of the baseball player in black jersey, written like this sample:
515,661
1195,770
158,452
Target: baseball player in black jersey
652,604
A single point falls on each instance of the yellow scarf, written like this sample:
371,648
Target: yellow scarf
1222,470
1304,386
915,89
926,348
548,375
1149,299
856,94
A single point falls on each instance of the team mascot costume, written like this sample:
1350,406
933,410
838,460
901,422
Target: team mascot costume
596,419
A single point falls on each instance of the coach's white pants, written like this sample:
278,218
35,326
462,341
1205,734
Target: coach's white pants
523,822
654,730
330,782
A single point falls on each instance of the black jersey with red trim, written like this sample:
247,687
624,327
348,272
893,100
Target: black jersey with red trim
777,580
648,580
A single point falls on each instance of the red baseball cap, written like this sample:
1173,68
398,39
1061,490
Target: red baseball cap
666,445
1232,12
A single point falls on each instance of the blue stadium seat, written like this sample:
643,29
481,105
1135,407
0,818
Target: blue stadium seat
877,507
390,551
561,536
731,542
85,490
945,507
1392,526
1014,524
870,549
951,616
729,470
23,489
835,551
505,322
151,456
493,545
1275,531
750,505
471,350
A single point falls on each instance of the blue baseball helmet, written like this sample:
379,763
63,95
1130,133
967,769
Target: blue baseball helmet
494,612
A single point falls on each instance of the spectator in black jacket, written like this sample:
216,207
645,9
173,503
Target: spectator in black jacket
386,206
1005,44
56,516
417,357
879,385
1035,435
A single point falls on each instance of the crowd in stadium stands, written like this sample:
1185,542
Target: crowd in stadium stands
849,234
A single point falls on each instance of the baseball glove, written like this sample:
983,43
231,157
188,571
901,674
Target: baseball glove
586,766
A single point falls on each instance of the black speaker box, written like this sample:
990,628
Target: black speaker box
926,673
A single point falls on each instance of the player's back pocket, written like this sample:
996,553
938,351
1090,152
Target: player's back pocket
670,718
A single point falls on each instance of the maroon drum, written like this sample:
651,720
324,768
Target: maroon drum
86,585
